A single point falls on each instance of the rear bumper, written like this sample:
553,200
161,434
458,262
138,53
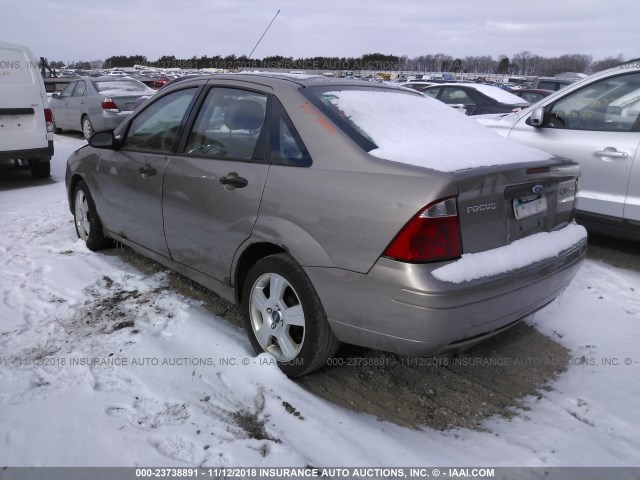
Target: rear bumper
403,308
40,153
108,121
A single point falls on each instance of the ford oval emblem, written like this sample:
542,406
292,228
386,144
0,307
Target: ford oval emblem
537,189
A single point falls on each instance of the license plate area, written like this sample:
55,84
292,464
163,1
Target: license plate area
526,206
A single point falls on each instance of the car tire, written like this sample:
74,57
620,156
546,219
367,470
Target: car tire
283,316
87,127
40,168
86,220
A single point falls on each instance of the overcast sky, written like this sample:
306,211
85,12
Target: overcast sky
73,30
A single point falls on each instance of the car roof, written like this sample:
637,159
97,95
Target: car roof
534,90
456,84
283,79
113,78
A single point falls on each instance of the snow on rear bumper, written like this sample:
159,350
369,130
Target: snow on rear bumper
519,254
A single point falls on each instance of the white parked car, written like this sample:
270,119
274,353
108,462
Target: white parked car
26,124
596,122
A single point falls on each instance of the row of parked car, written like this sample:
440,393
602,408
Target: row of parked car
90,104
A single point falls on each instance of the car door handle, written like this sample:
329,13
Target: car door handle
233,180
147,170
611,152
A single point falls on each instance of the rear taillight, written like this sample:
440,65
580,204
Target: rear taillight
48,119
432,235
109,105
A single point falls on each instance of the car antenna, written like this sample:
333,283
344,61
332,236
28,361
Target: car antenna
264,33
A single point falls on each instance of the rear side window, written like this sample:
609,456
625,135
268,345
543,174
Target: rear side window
454,95
432,92
286,145
80,89
532,97
229,125
157,128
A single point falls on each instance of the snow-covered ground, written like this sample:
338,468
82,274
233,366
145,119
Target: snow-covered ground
78,389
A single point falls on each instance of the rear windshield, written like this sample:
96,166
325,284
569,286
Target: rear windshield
120,86
326,99
408,127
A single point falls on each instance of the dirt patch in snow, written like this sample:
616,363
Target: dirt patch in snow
440,392
182,285
445,391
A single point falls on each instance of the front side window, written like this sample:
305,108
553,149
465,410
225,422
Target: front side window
611,104
157,128
68,90
229,125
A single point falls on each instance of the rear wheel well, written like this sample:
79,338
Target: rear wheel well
248,258
73,181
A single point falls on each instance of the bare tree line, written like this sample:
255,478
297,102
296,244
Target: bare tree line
524,63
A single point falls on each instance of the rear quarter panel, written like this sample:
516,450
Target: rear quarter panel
348,206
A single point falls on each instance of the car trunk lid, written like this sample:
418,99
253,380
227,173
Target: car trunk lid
497,206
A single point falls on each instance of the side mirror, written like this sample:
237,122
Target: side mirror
55,95
104,140
537,117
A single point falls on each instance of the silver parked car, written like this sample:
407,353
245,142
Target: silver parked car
334,210
596,122
96,104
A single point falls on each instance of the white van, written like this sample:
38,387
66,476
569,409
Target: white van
26,123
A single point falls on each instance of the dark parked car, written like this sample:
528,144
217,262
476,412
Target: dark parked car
476,99
96,104
531,95
334,210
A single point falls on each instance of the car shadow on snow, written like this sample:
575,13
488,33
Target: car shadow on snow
12,177
442,392
618,252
